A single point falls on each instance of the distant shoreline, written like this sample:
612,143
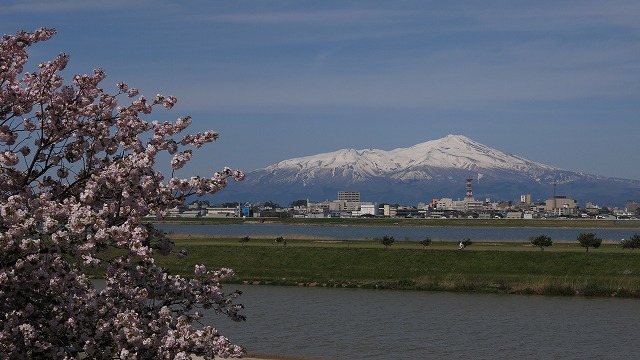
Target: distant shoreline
490,223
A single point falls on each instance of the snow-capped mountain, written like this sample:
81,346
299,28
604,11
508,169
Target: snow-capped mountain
433,169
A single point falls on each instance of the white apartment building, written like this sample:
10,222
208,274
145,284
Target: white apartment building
366,209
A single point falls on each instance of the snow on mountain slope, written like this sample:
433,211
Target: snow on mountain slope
461,152
420,161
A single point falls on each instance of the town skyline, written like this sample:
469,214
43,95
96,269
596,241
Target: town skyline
556,83
349,204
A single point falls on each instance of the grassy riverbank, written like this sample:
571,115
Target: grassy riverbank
517,268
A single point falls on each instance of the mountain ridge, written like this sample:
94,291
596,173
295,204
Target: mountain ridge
432,169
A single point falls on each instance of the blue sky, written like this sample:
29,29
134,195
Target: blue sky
556,82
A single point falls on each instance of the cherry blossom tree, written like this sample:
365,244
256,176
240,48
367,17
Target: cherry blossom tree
77,180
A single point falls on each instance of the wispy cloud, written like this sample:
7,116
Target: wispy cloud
48,6
304,17
430,16
451,56
419,54
450,77
557,15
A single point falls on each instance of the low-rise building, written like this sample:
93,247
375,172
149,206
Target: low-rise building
514,215
219,212
562,206
444,204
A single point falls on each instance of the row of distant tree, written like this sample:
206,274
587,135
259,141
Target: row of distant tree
586,240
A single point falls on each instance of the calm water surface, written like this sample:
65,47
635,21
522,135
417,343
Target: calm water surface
369,324
398,232
331,324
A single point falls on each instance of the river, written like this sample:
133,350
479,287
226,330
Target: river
333,324
398,232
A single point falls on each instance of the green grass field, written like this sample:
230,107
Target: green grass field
518,268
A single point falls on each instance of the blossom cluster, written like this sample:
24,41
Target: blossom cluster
76,180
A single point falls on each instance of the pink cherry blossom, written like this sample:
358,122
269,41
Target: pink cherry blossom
76,179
